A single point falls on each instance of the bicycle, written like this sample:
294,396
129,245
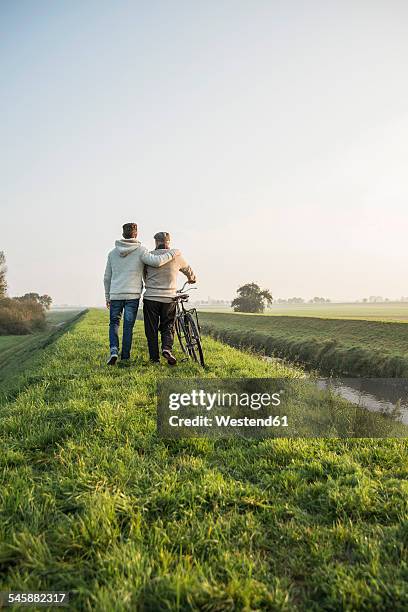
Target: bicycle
188,328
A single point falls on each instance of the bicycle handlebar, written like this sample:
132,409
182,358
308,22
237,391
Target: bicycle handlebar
182,289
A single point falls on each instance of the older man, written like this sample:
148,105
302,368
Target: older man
159,308
123,286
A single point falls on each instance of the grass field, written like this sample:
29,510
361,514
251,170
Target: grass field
392,311
54,319
62,315
349,347
15,350
93,502
9,342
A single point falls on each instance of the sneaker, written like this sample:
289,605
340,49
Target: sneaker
112,359
171,360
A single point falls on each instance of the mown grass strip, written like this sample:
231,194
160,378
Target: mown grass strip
15,351
390,311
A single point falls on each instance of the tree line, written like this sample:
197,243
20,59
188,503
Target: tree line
251,298
23,314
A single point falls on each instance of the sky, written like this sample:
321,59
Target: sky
269,138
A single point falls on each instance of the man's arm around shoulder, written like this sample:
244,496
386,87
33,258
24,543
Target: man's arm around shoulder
157,260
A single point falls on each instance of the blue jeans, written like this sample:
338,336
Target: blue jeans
115,313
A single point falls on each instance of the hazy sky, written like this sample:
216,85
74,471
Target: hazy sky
270,138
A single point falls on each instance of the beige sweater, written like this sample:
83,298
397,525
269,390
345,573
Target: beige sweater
161,283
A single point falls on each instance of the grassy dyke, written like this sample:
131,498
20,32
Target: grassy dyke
93,502
345,347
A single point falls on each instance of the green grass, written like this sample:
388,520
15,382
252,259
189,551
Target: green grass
15,350
392,311
349,347
9,342
55,318
94,502
62,315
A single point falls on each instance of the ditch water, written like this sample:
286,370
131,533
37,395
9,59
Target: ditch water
385,395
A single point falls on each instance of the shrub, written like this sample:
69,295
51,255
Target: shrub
20,317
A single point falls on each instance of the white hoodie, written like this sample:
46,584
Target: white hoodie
124,268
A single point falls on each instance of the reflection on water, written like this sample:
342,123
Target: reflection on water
385,395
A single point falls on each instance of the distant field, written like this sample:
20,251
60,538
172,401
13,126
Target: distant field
60,315
394,311
54,319
351,347
7,342
14,350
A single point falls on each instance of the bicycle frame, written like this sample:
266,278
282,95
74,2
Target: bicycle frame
187,328
180,307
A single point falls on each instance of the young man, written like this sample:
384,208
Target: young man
123,282
159,309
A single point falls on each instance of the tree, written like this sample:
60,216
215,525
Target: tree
251,298
44,300
3,270
30,297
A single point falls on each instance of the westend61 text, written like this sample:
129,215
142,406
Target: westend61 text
228,421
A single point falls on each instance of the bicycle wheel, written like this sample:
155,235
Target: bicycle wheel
194,345
181,334
185,338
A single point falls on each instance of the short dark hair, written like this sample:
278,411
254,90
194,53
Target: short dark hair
129,230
